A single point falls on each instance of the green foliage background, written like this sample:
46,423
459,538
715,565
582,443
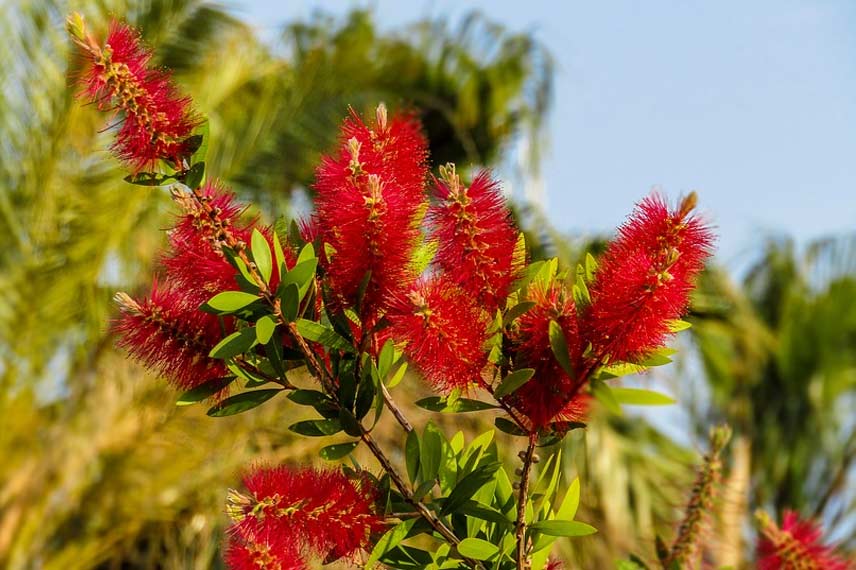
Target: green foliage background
100,470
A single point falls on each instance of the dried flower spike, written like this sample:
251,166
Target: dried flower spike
684,552
156,121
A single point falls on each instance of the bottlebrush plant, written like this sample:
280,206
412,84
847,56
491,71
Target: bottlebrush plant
394,268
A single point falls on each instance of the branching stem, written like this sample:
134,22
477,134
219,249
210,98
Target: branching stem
522,497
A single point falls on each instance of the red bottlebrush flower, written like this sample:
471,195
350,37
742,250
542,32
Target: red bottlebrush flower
369,200
167,332
196,263
476,237
443,331
644,279
321,511
551,395
262,554
156,121
797,545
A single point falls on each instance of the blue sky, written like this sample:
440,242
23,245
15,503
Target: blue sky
752,104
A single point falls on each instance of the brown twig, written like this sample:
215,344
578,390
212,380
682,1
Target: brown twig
523,493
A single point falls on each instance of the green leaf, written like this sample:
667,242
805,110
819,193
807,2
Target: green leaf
337,450
571,502
477,549
317,332
204,391
461,405
195,175
516,311
197,144
508,426
317,428
242,402
244,271
236,343
261,255
514,381
563,528
279,255
230,301
640,397
396,378
149,179
349,423
411,455
469,486
619,369
605,396
301,275
582,297
264,329
591,267
560,347
677,325
485,513
307,397
290,301
386,358
431,452
658,357
390,540
307,253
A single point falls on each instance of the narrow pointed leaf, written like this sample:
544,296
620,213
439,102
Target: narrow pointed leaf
261,255
560,347
514,381
640,397
242,402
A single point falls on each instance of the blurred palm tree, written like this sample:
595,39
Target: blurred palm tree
99,471
779,358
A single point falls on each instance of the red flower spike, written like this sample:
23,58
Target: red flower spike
322,511
169,334
196,263
443,331
644,279
368,205
476,236
797,545
546,398
156,121
260,554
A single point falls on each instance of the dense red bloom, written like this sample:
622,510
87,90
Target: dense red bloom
443,331
644,279
320,511
156,121
273,553
369,200
797,545
167,332
476,237
195,262
552,394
